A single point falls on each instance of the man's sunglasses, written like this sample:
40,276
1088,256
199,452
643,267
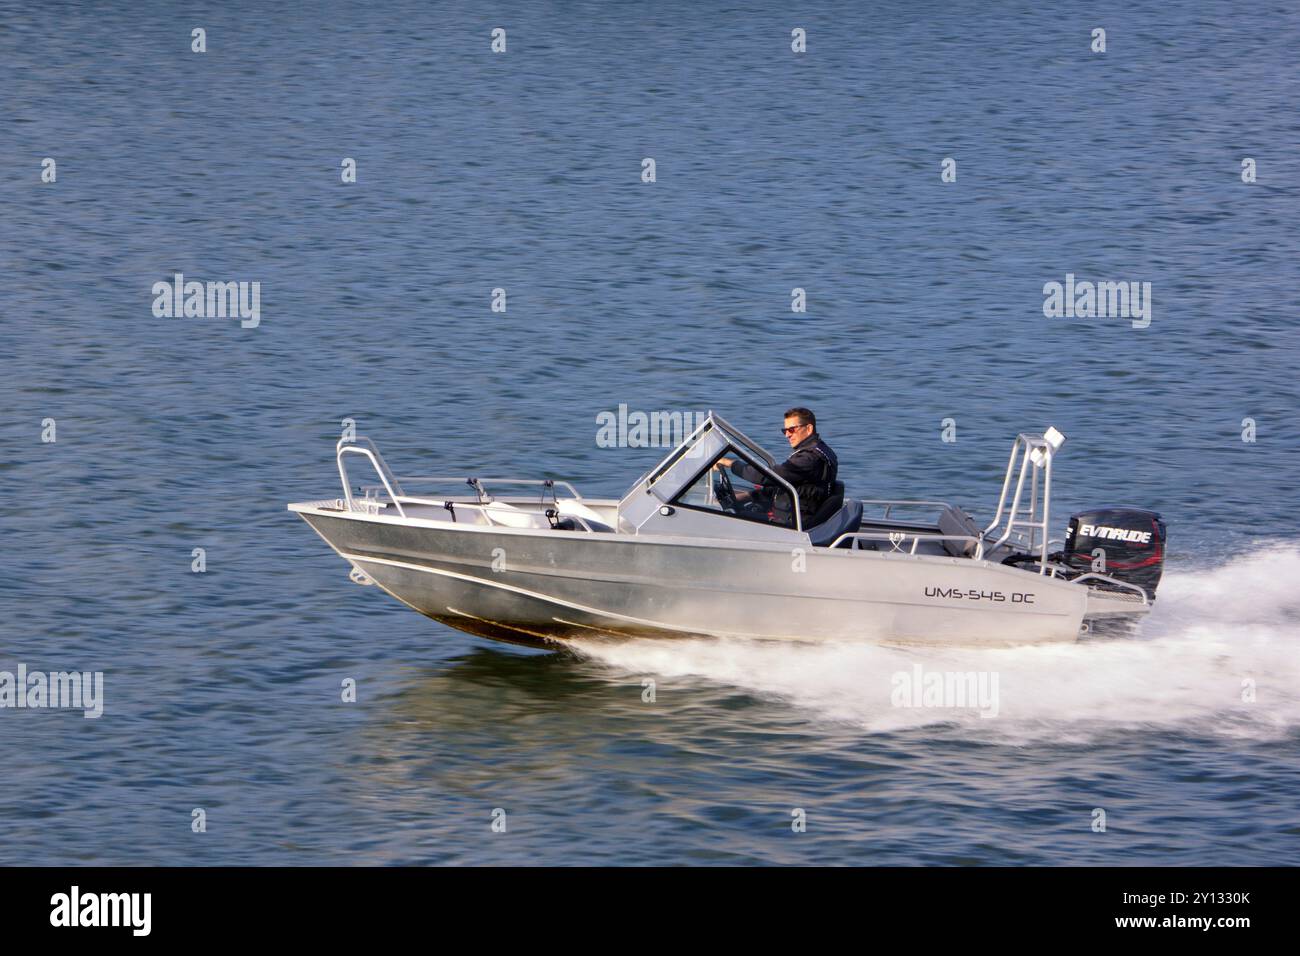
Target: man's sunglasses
792,428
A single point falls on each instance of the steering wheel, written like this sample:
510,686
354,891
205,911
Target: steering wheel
724,492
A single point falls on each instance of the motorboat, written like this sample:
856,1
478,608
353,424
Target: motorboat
687,552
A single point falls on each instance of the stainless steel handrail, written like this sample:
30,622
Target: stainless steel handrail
1115,581
377,462
393,486
895,537
452,479
363,442
794,497
1024,447
889,503
484,507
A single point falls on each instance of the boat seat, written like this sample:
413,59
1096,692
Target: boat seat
828,507
954,521
844,521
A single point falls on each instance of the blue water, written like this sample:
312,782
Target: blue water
522,171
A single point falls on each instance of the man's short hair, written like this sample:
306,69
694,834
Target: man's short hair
805,416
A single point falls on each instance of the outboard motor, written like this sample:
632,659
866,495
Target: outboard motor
1131,543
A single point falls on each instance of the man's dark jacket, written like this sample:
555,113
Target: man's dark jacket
811,469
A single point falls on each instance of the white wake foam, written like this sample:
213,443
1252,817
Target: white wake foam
1212,635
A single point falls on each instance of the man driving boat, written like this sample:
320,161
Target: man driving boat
811,470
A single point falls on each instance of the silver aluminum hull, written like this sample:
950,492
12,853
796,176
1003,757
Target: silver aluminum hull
530,586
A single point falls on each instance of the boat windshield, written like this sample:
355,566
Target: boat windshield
746,446
740,488
689,446
708,437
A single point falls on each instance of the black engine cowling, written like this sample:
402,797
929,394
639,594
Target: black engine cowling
1131,543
